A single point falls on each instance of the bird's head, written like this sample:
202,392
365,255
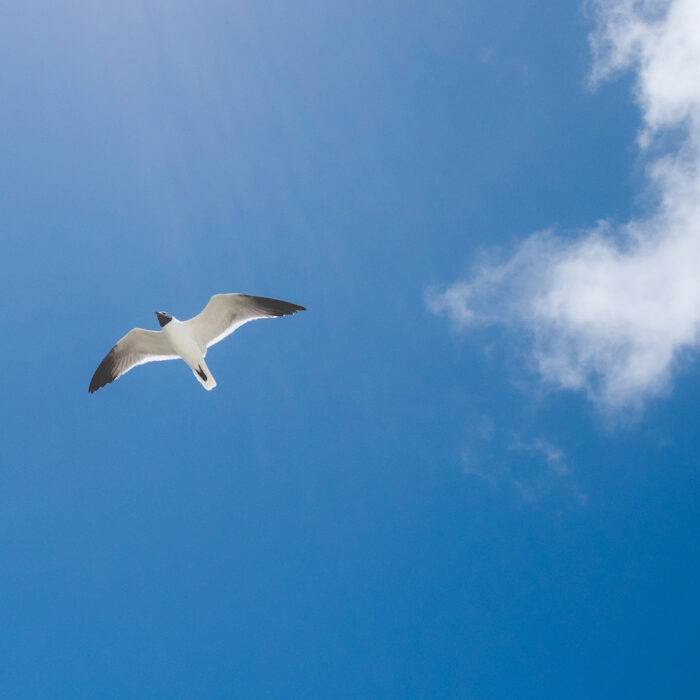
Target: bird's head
163,318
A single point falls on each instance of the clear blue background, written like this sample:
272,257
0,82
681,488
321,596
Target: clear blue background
307,529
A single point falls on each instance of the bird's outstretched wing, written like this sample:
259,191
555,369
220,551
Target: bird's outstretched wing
137,347
226,312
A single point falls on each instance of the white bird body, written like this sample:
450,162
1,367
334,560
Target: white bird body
184,343
187,340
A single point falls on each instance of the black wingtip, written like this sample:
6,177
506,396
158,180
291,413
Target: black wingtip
105,373
276,307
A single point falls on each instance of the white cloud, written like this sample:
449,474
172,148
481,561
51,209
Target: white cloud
535,470
613,311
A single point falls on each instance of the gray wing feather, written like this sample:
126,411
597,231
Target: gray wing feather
226,312
137,347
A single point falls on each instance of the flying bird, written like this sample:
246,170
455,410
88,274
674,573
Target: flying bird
187,340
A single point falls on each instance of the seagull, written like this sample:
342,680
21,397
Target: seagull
187,340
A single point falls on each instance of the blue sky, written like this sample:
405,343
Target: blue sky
471,468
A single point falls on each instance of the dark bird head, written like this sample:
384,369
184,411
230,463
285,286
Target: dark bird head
163,318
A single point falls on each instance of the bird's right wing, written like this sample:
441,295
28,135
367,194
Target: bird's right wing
226,312
137,347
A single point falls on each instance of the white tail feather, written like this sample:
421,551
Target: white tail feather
209,383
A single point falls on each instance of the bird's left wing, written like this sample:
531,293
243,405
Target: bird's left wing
226,312
137,347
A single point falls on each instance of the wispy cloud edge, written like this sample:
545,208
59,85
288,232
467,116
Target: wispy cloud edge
611,311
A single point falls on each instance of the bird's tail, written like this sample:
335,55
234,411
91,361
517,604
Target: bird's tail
203,375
